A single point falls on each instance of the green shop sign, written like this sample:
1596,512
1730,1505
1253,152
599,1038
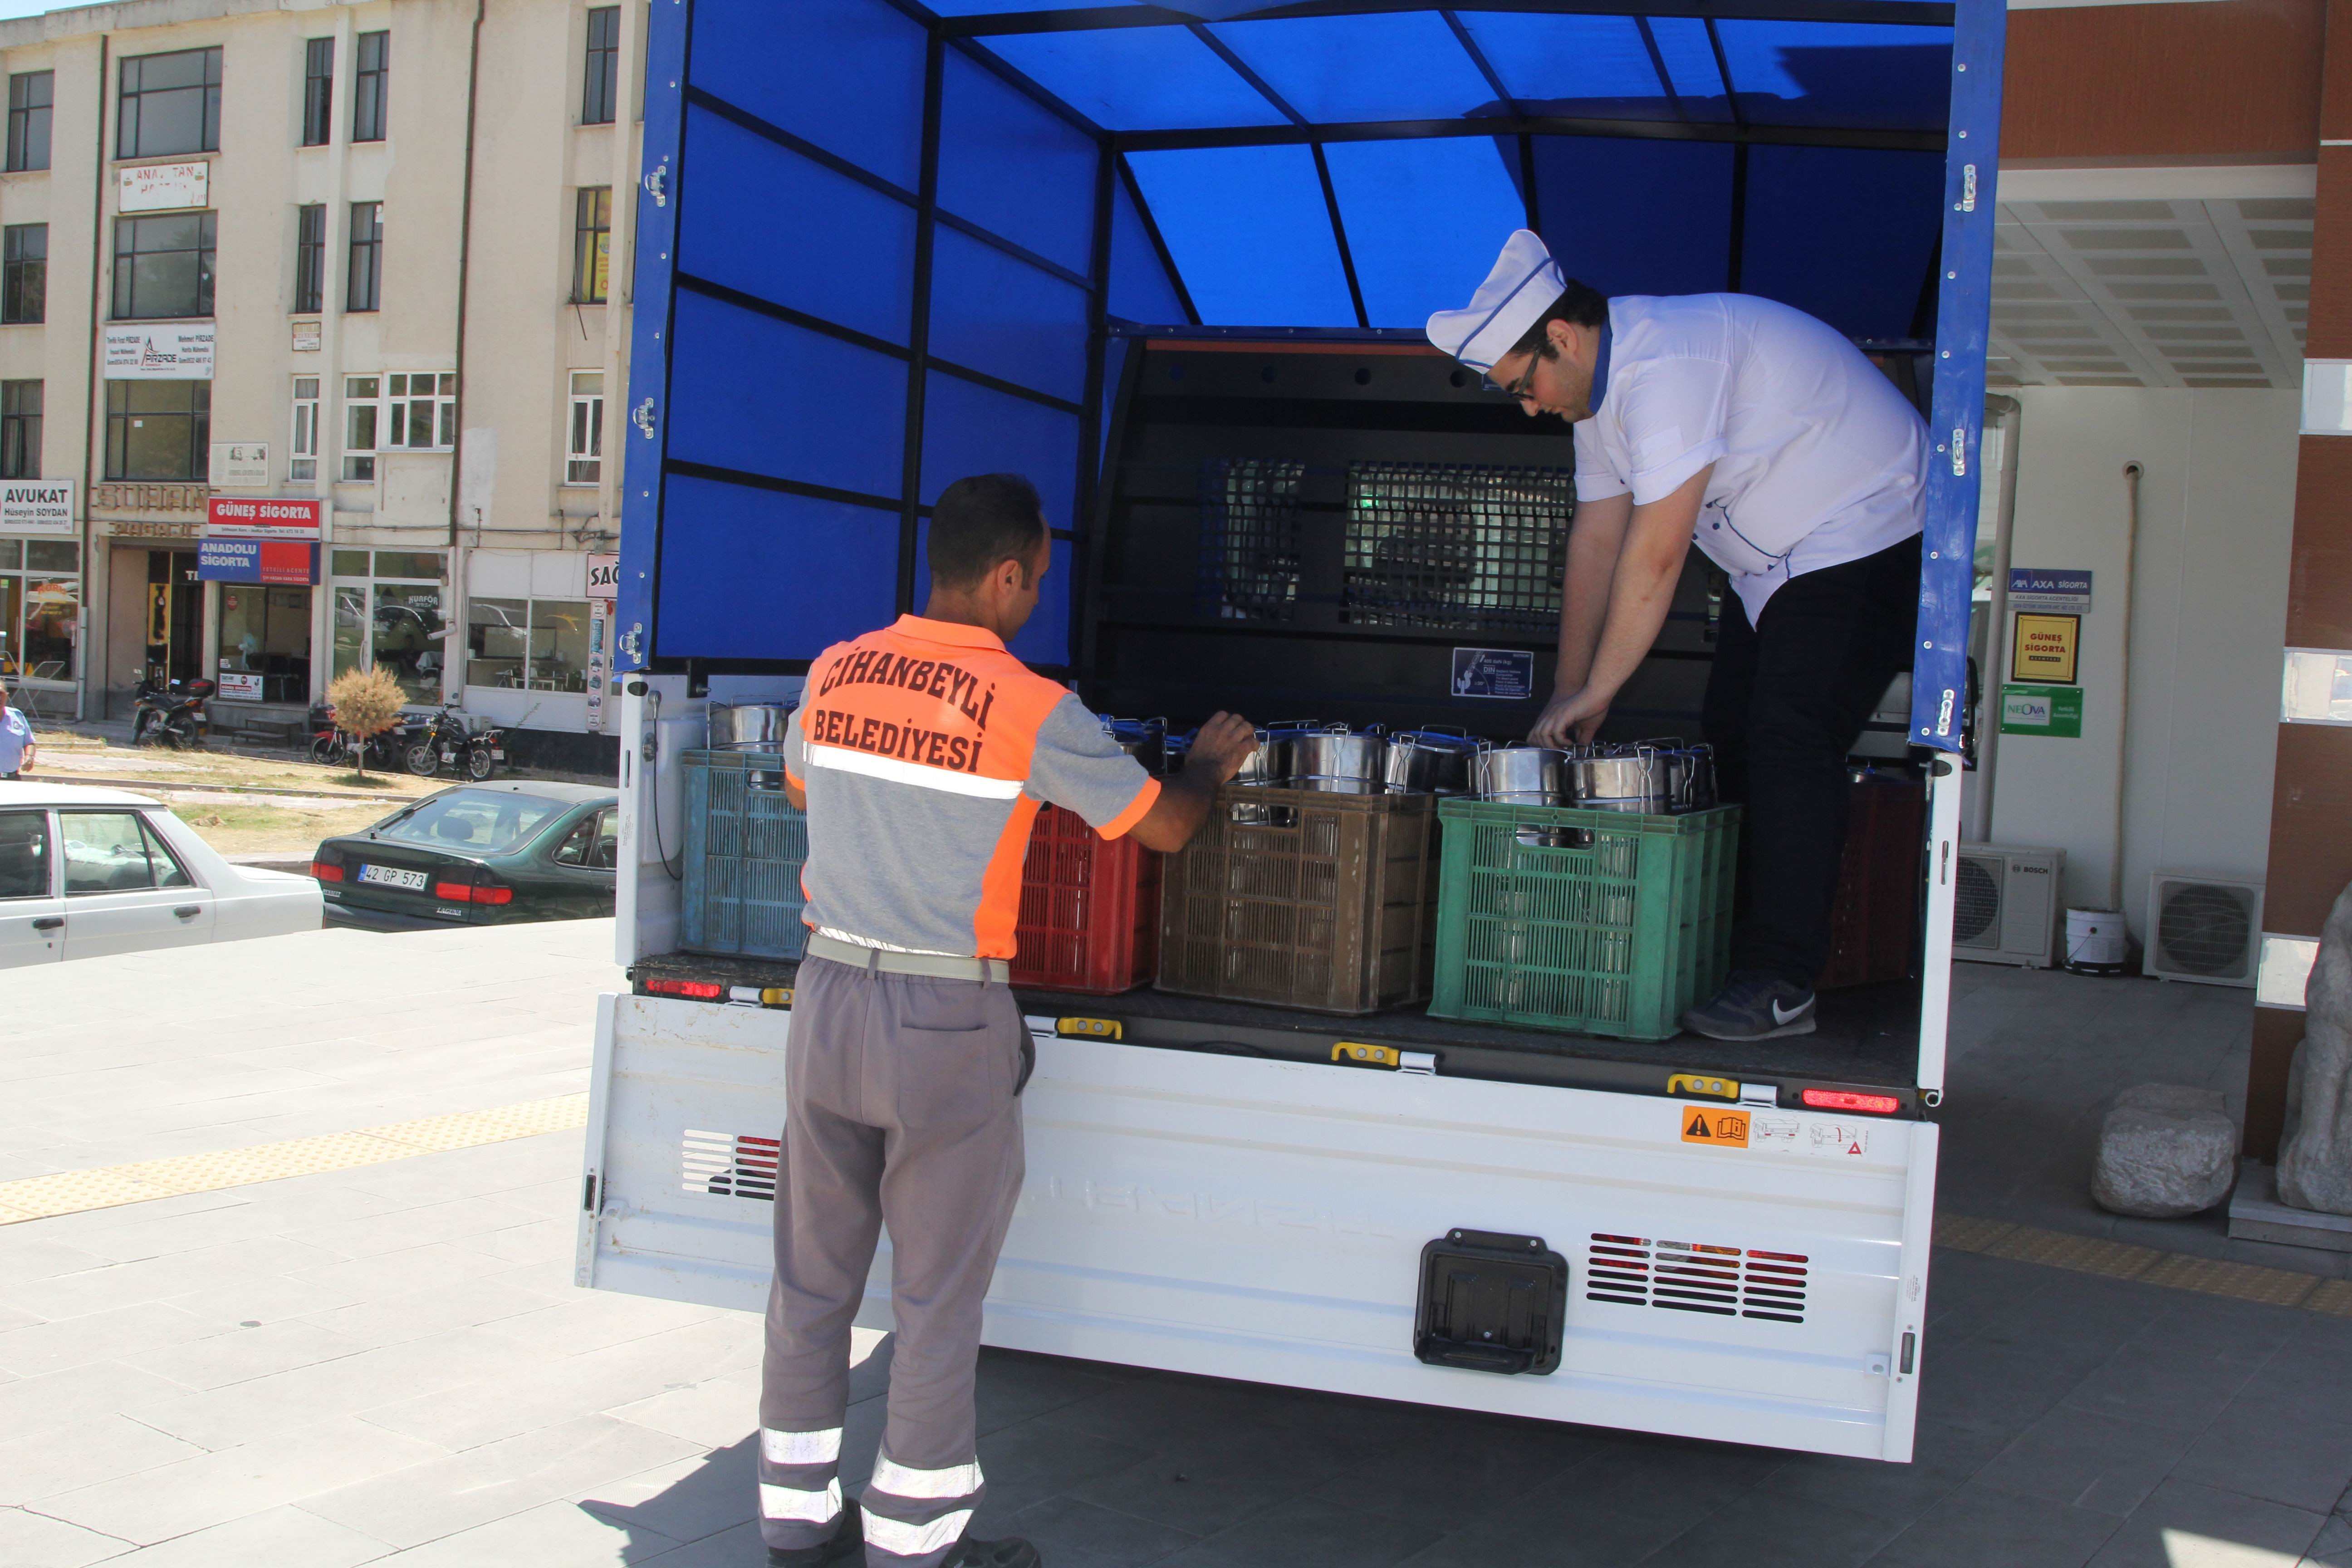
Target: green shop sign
2041,710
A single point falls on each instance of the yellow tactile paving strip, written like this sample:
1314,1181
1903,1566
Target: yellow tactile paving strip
2142,1264
73,1192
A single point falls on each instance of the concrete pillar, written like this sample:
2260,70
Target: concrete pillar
2311,849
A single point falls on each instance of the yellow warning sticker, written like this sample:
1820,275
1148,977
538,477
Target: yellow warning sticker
1725,1128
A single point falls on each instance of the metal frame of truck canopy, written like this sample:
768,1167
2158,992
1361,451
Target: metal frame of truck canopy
881,245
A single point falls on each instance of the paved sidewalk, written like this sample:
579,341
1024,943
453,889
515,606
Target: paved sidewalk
389,1364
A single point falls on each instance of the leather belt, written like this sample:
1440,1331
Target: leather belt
932,965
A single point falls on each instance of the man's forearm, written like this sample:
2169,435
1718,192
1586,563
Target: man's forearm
1183,806
1594,544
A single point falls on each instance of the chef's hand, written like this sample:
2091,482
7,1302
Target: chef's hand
1222,747
1570,715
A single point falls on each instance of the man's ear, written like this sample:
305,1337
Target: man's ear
1561,335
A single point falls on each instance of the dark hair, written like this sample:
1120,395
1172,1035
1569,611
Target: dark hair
1579,305
982,521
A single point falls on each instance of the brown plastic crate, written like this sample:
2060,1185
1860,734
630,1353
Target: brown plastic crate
1314,900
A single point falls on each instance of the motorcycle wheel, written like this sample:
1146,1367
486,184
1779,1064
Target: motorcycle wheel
480,764
424,759
183,737
327,751
144,730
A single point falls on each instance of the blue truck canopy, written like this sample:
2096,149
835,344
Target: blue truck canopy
881,245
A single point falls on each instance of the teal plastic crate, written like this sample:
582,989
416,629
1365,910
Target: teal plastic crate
745,845
1597,922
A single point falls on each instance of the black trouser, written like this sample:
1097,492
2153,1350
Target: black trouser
1786,701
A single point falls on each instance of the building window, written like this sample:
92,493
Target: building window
363,279
309,259
591,245
169,103
406,411
304,464
158,429
28,119
163,266
370,92
319,92
24,272
536,645
20,429
361,394
265,631
388,615
40,601
600,86
583,454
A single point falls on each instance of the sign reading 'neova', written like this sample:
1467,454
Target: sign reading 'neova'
36,506
235,517
158,351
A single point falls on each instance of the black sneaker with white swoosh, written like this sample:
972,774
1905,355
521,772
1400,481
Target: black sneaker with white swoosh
1753,1005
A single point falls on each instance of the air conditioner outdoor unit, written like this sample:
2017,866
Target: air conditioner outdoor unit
2205,929
2005,904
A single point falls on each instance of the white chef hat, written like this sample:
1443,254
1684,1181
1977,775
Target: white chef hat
1522,287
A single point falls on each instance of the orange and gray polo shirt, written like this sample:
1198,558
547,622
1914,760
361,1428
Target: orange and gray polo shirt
925,749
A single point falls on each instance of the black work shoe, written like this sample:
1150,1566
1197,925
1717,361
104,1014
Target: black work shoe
848,1542
1754,1007
1007,1554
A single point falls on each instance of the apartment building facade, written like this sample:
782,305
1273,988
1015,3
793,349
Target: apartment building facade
310,312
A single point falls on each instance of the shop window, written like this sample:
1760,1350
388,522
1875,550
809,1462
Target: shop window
20,429
169,104
29,93
158,429
304,463
116,852
163,266
583,455
310,258
536,645
371,89
24,272
591,245
599,83
40,604
319,92
363,278
387,613
265,639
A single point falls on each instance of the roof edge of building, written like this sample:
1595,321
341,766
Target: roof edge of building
128,15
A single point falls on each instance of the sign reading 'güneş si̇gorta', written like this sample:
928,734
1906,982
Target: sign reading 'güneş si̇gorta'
270,517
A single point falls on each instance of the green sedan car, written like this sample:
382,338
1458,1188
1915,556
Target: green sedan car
480,854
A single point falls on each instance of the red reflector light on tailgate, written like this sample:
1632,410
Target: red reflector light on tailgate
326,871
694,990
1845,1099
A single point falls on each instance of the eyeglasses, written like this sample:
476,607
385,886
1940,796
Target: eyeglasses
1521,389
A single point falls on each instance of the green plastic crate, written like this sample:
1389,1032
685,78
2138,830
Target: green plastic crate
1599,922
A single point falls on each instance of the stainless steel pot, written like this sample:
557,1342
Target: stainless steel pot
1636,780
1269,761
1521,776
748,726
1429,761
1339,761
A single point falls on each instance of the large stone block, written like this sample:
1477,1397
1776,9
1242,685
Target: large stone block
2164,1151
2314,1169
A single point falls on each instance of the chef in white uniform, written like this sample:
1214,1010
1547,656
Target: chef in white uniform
1766,439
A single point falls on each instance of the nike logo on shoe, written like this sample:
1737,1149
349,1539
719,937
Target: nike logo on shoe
1792,1015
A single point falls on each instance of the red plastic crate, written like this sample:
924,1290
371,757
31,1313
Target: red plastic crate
1089,910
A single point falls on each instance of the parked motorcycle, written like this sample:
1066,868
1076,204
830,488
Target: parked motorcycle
331,747
444,740
172,714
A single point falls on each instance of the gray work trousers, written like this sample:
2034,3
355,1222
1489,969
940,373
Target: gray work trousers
900,1108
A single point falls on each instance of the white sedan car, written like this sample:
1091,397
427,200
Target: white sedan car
91,872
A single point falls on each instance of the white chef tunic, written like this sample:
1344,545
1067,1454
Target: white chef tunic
1817,460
